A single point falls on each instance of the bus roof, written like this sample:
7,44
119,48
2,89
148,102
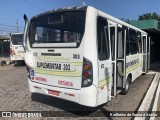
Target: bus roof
73,8
116,20
84,8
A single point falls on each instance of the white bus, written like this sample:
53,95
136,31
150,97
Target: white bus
16,48
83,55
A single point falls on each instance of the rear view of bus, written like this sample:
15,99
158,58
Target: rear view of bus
16,48
54,45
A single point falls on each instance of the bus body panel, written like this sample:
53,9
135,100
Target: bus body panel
56,66
74,77
90,42
136,68
104,70
101,77
62,92
17,52
16,48
58,72
74,95
105,81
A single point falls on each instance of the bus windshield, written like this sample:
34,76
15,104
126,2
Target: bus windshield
57,28
17,39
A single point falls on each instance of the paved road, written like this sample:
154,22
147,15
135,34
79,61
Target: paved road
15,96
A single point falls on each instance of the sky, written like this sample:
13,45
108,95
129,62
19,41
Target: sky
12,11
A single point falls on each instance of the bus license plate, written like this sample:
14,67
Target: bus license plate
55,93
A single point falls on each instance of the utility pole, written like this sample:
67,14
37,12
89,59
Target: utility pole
17,26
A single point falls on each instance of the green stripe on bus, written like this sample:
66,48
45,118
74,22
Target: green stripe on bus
104,82
55,74
58,73
133,67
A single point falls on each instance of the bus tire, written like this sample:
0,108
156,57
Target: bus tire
127,85
33,96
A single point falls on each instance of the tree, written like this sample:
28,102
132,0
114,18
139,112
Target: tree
155,16
126,20
148,16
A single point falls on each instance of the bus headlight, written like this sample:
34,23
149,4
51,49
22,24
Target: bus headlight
87,76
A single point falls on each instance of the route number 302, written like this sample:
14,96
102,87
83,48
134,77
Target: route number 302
66,67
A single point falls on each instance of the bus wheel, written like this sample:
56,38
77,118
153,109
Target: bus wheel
126,89
33,96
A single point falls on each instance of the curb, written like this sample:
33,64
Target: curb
148,99
156,101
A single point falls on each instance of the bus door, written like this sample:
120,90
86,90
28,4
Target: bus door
118,48
104,61
146,53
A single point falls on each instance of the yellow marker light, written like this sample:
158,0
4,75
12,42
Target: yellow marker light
86,67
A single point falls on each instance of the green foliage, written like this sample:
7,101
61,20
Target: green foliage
148,16
126,20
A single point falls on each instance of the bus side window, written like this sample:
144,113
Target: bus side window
112,37
120,42
103,44
127,44
133,42
139,42
144,44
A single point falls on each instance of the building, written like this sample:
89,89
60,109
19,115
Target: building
4,46
152,27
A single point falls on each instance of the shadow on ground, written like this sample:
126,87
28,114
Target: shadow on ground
19,63
71,109
155,67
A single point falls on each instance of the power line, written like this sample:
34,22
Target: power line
33,5
9,25
11,28
2,28
7,31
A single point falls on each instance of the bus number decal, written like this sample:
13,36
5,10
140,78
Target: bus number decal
66,67
102,66
76,56
54,66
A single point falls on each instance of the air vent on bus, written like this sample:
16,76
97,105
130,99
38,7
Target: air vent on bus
51,54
